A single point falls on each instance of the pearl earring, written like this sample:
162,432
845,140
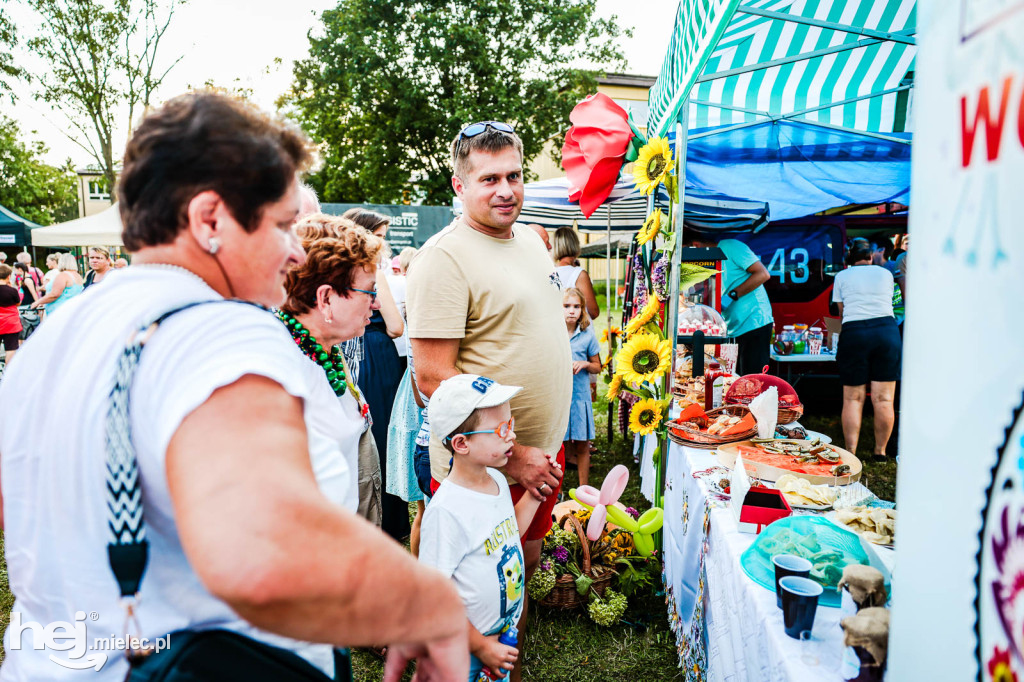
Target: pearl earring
214,246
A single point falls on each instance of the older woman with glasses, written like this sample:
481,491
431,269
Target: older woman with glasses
331,298
380,372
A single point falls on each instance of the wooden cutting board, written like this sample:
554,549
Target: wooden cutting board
769,467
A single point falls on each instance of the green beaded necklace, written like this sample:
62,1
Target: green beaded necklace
333,363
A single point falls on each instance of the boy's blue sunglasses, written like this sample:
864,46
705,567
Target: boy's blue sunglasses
501,430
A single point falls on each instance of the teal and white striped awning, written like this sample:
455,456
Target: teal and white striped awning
836,63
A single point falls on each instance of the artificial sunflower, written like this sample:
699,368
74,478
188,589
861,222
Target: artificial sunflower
582,515
644,357
653,164
646,314
614,387
645,416
651,228
613,333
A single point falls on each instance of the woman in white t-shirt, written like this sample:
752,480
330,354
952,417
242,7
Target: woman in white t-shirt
330,300
566,252
51,271
381,370
869,346
227,423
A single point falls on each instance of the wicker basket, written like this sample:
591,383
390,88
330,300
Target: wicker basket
564,595
690,436
787,415
749,386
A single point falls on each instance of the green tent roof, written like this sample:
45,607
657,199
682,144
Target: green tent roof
15,230
842,64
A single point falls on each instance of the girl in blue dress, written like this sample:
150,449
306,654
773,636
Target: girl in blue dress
586,360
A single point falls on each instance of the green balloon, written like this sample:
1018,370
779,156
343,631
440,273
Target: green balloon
644,544
651,521
621,519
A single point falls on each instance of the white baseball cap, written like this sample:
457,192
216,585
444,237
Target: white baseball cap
457,397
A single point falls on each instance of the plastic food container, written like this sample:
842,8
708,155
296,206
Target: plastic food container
800,340
703,318
815,338
784,342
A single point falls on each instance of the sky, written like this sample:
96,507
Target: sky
234,43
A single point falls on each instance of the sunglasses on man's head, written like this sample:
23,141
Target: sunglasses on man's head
474,129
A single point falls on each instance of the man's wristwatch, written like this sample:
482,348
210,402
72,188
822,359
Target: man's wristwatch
733,295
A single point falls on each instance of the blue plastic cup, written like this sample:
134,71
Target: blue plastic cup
788,564
799,602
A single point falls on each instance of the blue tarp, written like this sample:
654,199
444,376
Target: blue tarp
798,168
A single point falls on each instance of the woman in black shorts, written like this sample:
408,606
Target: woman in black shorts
869,346
10,321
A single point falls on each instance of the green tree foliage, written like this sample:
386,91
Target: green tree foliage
8,39
100,66
387,85
31,188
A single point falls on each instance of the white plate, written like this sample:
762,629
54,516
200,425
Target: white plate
809,507
831,516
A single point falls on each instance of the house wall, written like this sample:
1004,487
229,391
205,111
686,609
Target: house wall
91,199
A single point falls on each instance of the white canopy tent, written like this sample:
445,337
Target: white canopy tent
102,228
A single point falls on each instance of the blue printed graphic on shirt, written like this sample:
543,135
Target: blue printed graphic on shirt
511,578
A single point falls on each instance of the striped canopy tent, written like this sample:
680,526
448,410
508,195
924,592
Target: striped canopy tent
779,68
546,203
841,64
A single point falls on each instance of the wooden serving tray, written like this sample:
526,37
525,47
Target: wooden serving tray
768,472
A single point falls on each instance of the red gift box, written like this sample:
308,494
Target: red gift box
761,507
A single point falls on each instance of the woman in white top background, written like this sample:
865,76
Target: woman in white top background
51,271
869,346
566,252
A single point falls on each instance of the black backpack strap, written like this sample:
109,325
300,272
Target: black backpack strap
128,548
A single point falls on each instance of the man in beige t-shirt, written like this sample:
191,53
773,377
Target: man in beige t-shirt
498,299
483,299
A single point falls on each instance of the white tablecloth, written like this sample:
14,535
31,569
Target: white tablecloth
745,637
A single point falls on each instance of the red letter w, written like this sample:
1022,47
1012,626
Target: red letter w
993,129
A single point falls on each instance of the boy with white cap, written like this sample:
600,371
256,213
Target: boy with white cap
471,531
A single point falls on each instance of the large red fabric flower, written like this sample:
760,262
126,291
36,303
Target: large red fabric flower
595,149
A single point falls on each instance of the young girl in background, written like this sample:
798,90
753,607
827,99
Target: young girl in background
586,360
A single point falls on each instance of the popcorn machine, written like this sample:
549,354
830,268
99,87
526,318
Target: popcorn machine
699,321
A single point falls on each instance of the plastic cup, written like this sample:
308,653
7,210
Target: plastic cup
788,564
799,602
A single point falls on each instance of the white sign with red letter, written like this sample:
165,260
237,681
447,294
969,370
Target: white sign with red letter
959,579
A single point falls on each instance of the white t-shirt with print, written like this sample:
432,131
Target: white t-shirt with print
53,461
473,537
865,292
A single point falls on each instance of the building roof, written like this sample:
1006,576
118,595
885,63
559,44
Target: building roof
627,79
